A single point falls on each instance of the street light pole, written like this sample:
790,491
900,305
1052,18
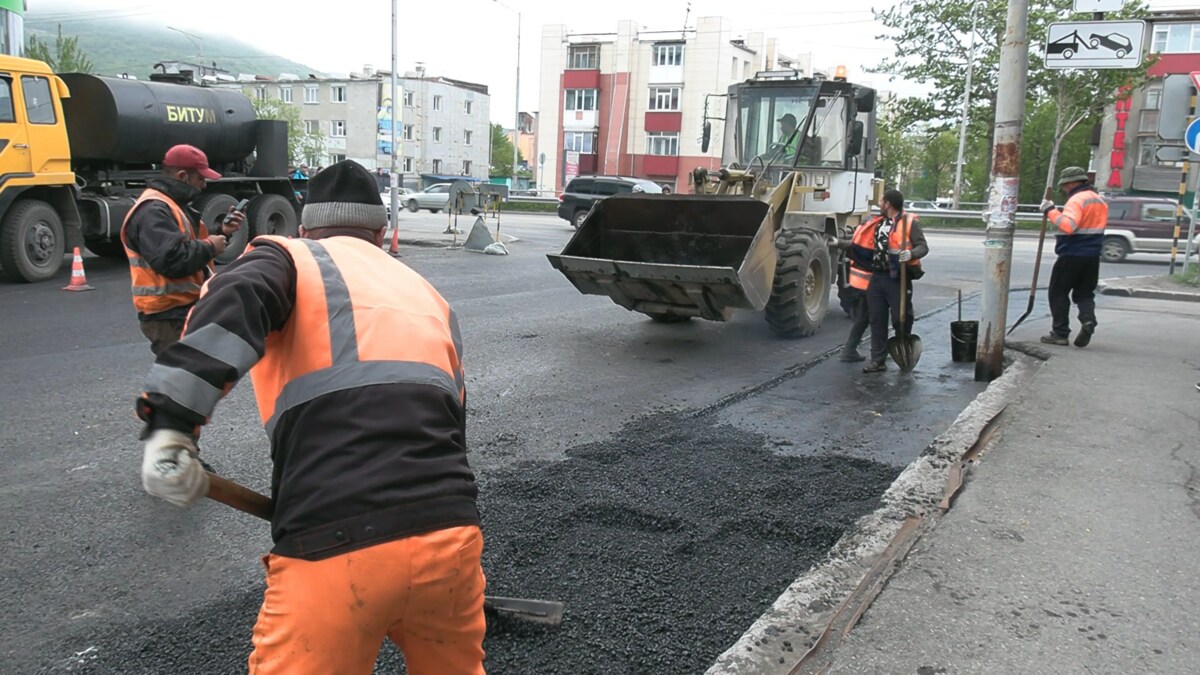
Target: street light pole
517,93
395,188
1002,197
962,126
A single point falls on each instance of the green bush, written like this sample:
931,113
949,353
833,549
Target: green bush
529,207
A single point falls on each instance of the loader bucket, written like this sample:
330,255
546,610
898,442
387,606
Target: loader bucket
675,255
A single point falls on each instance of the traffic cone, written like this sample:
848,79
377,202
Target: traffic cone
394,249
78,280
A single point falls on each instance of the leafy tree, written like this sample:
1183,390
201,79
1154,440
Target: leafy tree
502,153
66,57
301,143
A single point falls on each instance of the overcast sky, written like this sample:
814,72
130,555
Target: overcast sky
477,41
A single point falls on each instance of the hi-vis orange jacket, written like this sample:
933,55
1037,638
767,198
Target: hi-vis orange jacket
152,292
862,247
357,370
1080,224
860,275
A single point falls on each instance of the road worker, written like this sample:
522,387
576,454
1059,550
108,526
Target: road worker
858,281
1078,244
357,371
170,250
883,246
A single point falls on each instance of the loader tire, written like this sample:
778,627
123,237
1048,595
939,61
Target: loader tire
800,295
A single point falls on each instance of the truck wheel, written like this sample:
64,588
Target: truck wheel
31,242
211,206
271,214
800,295
1115,249
104,248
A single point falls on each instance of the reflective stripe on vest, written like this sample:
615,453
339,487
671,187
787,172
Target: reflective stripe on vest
153,292
361,318
864,237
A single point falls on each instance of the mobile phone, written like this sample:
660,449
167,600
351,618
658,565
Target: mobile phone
241,206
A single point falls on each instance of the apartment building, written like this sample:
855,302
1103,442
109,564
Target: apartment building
526,142
632,102
1141,148
443,127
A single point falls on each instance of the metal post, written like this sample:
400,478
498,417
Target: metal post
1183,181
1187,249
517,108
1005,188
396,107
962,126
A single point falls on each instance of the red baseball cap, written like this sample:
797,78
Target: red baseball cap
190,157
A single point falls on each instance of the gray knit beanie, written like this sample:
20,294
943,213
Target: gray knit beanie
344,195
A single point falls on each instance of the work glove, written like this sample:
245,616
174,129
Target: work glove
171,469
1046,206
904,256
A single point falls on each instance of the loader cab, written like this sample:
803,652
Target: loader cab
832,120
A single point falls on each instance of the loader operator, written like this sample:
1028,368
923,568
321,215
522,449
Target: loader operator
356,364
170,250
883,246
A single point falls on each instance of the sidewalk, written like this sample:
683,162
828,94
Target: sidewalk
1075,545
1159,287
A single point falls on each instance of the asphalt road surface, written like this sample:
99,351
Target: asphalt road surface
665,481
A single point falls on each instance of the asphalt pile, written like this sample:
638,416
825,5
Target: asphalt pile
665,542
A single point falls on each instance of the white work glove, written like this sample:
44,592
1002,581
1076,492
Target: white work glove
1046,205
904,255
170,468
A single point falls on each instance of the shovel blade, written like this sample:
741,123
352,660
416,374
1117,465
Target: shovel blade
905,351
536,611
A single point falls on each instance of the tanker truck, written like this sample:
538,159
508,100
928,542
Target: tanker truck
76,151
762,233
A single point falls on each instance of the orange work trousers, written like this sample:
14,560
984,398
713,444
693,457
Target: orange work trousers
330,616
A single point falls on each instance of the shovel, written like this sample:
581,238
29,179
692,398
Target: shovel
1037,265
248,501
905,349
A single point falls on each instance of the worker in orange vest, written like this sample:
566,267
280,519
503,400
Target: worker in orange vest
1078,244
883,246
170,250
858,281
356,362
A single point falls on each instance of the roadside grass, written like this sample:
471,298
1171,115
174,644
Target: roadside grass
1190,276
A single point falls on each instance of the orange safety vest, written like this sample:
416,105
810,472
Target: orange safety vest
153,292
1086,213
361,318
898,239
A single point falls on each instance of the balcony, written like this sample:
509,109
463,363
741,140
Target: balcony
660,165
581,79
664,121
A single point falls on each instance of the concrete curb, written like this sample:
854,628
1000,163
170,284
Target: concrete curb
1148,293
786,631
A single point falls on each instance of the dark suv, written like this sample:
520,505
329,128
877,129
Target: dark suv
581,193
1141,225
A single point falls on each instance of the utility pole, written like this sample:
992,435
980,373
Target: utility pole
1005,187
962,125
517,93
394,187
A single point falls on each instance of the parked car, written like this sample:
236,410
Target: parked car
923,206
386,196
433,198
1141,225
581,193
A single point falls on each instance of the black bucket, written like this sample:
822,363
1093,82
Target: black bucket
964,339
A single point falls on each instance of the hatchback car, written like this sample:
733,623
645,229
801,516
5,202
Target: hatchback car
433,198
1141,225
582,193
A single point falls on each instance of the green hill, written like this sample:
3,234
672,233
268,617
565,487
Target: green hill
116,47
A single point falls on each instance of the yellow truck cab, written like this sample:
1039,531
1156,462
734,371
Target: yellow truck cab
37,185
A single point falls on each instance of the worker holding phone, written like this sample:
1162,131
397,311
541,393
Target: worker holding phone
169,248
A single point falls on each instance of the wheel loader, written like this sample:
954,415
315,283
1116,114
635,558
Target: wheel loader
798,174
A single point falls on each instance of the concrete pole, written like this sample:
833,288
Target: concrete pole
395,188
1002,198
962,125
517,107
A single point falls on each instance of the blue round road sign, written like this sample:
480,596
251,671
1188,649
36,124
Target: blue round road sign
1192,136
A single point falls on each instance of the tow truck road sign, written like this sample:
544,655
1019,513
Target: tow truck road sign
1095,44
1098,5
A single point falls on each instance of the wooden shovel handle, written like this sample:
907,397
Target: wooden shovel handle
239,497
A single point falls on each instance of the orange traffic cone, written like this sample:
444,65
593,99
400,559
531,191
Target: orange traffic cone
78,280
394,249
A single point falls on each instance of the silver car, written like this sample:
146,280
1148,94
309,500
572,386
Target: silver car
433,198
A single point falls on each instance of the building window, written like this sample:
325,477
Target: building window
466,167
337,128
408,99
437,134
1153,98
664,98
312,127
260,93
733,70
437,166
580,141
334,159
337,93
662,143
408,132
312,94
1176,38
406,164
285,94
466,138
668,54
467,107
437,102
580,99
1148,123
583,57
